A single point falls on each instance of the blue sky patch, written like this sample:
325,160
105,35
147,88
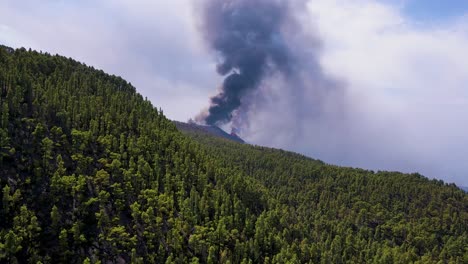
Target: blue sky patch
434,10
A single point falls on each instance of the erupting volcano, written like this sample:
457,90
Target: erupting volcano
248,36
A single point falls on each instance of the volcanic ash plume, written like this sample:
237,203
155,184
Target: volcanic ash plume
247,36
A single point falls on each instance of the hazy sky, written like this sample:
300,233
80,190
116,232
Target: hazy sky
404,65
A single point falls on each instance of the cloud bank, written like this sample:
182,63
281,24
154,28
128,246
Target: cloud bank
153,44
406,102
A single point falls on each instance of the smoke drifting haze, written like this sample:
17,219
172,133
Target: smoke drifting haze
280,92
267,60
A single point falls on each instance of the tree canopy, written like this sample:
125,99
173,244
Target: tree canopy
92,172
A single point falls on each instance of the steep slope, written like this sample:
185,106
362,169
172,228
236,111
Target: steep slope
352,215
207,130
91,172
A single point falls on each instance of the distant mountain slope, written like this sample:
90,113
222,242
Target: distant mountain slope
209,130
392,209
91,172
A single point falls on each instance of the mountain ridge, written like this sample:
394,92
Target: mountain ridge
210,130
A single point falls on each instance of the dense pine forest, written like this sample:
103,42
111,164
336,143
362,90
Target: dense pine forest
92,172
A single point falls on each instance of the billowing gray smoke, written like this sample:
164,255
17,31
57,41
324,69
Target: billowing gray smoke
248,38
276,93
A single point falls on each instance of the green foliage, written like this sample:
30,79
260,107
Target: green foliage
320,213
91,172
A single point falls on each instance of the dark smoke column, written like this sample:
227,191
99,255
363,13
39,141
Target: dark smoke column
246,35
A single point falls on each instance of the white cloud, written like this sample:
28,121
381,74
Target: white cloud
153,44
408,85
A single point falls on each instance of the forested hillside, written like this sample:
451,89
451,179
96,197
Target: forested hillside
91,172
